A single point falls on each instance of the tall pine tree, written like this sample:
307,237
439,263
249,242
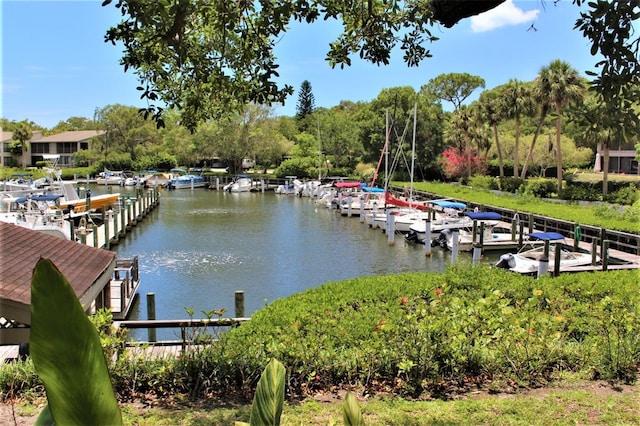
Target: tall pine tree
306,101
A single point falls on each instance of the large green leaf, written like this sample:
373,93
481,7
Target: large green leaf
67,355
351,411
269,397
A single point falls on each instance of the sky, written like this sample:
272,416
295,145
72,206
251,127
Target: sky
56,65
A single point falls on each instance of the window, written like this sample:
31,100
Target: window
39,148
66,147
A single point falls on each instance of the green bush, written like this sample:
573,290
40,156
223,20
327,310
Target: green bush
511,184
582,191
484,182
541,187
626,195
300,167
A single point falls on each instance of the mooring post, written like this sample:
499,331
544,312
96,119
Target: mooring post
605,255
477,250
556,259
427,237
543,264
594,251
239,304
151,314
454,245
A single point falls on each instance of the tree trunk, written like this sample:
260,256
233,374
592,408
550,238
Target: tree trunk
559,150
605,168
499,148
515,148
533,144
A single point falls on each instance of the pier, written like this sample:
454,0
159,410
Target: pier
118,220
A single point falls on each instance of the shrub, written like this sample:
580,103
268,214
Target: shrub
511,184
300,167
484,182
582,191
541,187
626,195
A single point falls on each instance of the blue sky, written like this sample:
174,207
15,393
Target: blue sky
56,65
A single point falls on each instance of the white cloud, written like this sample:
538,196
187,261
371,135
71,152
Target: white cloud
505,14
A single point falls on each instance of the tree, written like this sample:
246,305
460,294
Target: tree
306,101
489,103
562,86
205,58
516,103
453,87
22,134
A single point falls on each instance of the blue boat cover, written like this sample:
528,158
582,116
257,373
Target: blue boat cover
374,189
39,197
448,204
546,236
484,215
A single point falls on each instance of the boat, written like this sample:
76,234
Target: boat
293,186
367,199
109,177
241,183
446,214
466,238
182,179
38,212
527,260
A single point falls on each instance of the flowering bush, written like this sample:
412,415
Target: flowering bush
459,163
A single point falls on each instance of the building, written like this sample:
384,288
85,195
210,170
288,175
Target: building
63,144
621,159
88,270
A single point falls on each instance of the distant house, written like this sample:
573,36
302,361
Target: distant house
88,270
63,144
621,159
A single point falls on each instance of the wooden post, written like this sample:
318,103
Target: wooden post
239,299
594,251
477,250
577,236
96,243
454,245
151,314
605,255
427,237
543,264
556,259
105,221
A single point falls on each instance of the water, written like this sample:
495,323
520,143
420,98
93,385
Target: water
198,247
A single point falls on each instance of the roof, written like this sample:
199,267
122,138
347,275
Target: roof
6,136
20,250
72,136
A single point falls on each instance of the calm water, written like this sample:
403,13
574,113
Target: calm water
199,246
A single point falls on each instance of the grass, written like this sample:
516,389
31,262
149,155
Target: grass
567,402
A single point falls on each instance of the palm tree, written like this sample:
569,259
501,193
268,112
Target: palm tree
562,86
490,111
517,102
23,134
542,104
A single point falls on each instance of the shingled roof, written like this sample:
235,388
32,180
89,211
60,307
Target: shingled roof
72,136
86,268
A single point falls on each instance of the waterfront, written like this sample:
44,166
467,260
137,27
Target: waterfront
200,246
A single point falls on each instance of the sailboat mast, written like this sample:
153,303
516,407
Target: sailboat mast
413,151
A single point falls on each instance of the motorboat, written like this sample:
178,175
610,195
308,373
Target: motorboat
293,186
109,177
180,179
447,214
466,238
38,212
241,183
527,260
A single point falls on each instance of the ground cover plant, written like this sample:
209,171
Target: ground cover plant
413,336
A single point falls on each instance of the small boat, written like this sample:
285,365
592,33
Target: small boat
109,177
241,183
182,179
527,260
37,212
448,214
466,239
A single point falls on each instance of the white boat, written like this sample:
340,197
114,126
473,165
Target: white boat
294,186
181,179
491,233
447,215
109,177
37,212
527,260
241,183
366,199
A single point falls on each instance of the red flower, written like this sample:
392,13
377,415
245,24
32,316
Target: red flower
438,291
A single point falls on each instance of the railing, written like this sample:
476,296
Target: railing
618,240
184,325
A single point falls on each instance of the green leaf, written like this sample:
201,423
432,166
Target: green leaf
67,354
269,397
351,411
